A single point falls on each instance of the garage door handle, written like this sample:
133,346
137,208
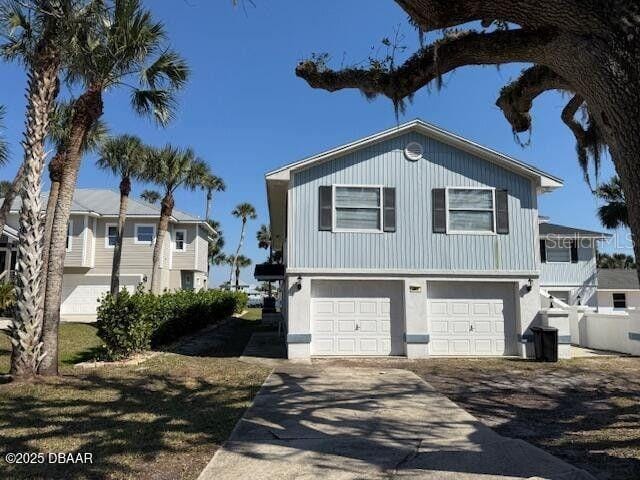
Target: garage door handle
357,327
471,328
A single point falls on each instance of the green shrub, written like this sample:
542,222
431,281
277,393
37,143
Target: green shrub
7,298
132,323
125,323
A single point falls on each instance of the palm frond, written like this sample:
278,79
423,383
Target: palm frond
160,104
168,71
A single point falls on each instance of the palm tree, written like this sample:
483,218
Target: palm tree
59,130
244,211
613,213
5,187
143,64
238,262
125,157
35,39
212,184
263,235
150,196
617,260
214,254
171,168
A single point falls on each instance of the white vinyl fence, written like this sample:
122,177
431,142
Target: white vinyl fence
615,332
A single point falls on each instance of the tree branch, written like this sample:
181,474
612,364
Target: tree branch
516,99
571,15
568,117
431,62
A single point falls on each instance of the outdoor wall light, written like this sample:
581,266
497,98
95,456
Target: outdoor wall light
299,284
579,299
529,285
144,279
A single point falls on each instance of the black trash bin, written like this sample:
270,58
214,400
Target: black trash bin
545,343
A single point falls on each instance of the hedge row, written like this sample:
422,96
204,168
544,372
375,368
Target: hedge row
130,323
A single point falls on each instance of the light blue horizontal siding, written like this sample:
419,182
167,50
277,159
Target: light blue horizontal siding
571,274
413,246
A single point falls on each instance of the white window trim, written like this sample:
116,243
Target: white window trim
137,226
613,302
175,240
356,230
471,232
69,246
106,234
558,262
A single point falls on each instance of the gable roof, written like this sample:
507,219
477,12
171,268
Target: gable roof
618,279
104,202
546,181
547,229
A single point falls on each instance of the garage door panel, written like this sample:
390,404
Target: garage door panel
346,326
320,308
482,309
361,326
346,346
368,308
437,308
346,307
324,325
468,318
371,326
484,326
460,326
459,308
460,347
439,326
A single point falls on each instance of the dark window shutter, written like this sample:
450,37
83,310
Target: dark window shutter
502,212
574,251
389,209
439,210
543,251
325,209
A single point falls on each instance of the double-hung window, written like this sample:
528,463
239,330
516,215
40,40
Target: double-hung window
145,233
111,235
357,208
471,210
180,240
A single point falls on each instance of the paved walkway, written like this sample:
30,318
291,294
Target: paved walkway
312,421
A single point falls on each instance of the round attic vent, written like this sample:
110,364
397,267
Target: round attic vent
413,151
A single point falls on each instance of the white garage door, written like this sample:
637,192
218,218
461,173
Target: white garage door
470,318
80,293
351,326
356,318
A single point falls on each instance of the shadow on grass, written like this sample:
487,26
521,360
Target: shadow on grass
125,422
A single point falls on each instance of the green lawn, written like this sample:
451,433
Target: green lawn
161,419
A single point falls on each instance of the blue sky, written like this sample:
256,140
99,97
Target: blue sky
245,112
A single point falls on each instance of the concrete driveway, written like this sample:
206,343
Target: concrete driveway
311,422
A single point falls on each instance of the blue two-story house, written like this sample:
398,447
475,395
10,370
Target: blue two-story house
412,242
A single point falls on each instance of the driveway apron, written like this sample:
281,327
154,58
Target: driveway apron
310,422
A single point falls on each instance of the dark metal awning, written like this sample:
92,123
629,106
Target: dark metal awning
269,272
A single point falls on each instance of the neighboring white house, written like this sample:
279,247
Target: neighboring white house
618,290
91,240
412,241
568,268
